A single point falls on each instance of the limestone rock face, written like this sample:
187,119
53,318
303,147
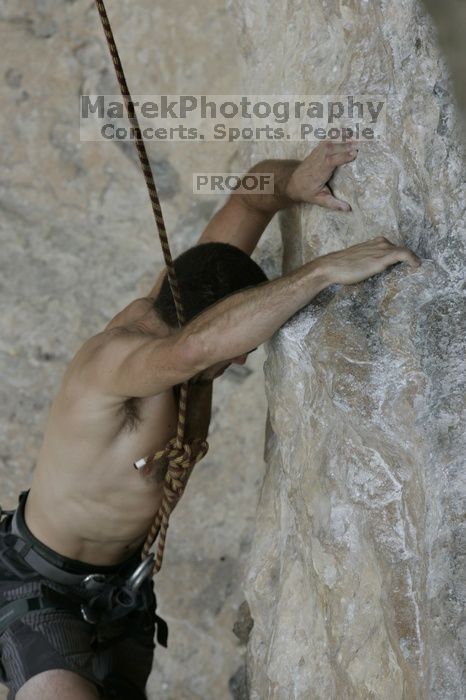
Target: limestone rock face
354,581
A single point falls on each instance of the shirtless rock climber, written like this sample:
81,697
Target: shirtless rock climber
87,510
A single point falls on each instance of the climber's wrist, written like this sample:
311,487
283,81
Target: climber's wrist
281,171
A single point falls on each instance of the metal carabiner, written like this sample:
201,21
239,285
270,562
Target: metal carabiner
140,574
93,582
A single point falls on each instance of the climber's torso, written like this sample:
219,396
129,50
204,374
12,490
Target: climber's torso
87,501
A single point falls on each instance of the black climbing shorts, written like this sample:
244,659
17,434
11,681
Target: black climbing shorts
116,655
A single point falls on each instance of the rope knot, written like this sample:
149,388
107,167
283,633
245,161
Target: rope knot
181,460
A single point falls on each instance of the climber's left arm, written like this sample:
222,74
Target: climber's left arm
244,217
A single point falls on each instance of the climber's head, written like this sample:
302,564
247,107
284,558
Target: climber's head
207,273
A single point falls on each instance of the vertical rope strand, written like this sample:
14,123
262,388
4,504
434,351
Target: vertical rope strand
144,160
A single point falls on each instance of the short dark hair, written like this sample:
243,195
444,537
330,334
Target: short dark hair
206,273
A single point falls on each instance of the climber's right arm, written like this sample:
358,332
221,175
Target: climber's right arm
127,363
239,323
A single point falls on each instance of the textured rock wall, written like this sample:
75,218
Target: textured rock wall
355,580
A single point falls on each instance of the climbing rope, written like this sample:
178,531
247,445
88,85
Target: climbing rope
181,456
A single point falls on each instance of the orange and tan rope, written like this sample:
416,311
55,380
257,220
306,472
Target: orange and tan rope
181,456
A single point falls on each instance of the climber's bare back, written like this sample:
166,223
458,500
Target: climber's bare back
87,501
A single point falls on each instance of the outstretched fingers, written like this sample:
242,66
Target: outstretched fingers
397,253
341,153
331,155
405,255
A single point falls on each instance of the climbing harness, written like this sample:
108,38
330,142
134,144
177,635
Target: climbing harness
100,599
181,455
